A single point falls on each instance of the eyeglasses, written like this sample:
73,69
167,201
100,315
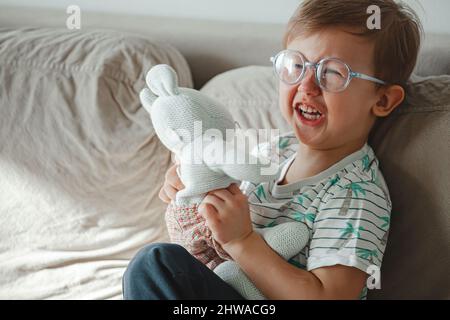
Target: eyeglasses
331,74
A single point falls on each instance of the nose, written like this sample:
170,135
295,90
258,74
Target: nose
308,85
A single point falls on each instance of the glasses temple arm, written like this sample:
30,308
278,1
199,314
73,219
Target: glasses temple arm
366,77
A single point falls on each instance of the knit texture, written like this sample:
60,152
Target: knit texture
188,123
286,239
184,120
187,228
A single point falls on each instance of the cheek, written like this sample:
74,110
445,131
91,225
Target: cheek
349,109
338,114
285,96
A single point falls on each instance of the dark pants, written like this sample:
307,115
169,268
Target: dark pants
168,271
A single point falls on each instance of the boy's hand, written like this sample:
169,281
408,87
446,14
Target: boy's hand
227,214
172,184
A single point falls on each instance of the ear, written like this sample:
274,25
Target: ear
390,98
147,98
162,80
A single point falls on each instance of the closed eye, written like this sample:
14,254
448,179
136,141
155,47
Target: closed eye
331,71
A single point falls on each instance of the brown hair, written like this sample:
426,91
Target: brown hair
396,43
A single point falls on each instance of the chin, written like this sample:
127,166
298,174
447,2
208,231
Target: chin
305,138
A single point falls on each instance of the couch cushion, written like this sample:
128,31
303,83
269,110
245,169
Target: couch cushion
413,145
80,166
250,95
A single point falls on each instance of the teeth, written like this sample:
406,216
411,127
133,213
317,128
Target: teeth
309,109
310,116
308,112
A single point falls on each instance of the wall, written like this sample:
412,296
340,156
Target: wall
434,13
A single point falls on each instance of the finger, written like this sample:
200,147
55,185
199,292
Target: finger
176,182
234,189
170,191
162,195
223,194
173,179
214,200
207,209
209,213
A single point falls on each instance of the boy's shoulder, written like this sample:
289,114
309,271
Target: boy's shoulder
362,172
360,178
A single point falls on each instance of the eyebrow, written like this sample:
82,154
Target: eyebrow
320,58
324,57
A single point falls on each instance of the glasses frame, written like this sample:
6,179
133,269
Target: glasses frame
351,74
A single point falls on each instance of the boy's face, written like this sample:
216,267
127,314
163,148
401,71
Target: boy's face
346,116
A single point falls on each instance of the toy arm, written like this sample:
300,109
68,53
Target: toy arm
286,239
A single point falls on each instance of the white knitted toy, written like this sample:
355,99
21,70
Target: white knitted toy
287,239
176,114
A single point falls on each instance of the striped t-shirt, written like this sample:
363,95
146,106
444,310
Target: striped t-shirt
346,207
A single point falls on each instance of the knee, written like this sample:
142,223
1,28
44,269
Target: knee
155,250
152,256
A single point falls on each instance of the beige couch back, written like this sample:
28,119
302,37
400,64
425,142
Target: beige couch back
210,47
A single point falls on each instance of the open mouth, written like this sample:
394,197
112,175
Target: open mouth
308,113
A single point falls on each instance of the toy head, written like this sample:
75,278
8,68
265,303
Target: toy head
174,111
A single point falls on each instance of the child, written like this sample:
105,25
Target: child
336,77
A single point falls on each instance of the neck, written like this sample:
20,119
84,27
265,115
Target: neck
310,161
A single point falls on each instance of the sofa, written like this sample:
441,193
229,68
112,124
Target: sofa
81,167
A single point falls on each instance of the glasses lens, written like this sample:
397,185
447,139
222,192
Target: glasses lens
289,66
333,75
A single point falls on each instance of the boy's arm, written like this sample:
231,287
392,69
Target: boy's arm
188,228
289,282
336,276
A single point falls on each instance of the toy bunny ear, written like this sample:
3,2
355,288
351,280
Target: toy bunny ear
162,80
147,98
